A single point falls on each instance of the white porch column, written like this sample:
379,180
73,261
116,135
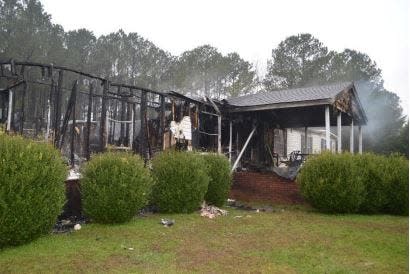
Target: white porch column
219,134
327,122
9,112
306,141
339,132
352,137
230,142
360,140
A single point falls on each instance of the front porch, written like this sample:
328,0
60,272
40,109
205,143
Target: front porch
278,128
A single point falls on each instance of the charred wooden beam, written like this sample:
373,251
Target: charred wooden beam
162,122
209,113
88,126
143,133
103,122
57,107
220,134
129,114
36,64
23,100
10,110
69,110
230,142
49,100
123,117
73,128
132,127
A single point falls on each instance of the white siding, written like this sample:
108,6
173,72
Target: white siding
293,140
316,144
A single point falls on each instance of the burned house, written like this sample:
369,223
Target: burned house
82,114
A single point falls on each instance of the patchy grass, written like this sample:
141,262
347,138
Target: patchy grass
293,240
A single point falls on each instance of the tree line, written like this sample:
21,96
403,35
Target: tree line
27,34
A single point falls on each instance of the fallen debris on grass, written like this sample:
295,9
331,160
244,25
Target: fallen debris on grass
212,211
68,225
167,222
242,206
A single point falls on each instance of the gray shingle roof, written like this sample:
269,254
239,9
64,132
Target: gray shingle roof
289,95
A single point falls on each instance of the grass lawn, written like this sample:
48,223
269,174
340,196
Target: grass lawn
289,241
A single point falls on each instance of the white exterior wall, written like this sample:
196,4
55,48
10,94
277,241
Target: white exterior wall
316,143
293,140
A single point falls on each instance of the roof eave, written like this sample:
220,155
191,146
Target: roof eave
319,102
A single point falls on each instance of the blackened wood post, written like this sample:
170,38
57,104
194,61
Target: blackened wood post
10,110
131,127
219,134
103,122
230,141
57,107
87,134
129,118
122,117
48,116
162,121
143,133
49,105
69,110
23,100
73,128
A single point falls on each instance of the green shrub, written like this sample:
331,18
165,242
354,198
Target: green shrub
219,172
370,171
330,183
181,181
32,192
396,178
114,187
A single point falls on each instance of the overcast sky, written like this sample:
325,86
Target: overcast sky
253,28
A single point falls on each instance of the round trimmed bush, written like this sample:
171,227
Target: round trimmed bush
32,192
330,182
370,167
181,181
115,185
219,172
396,177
